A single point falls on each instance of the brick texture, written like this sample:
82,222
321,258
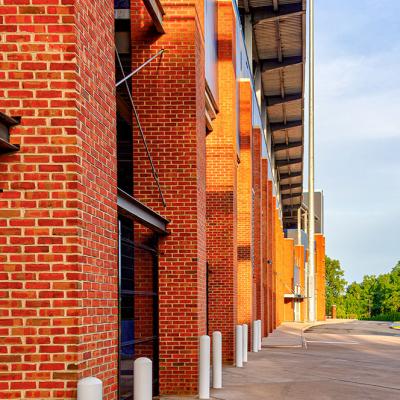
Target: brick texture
279,261
299,261
245,201
222,192
169,95
320,276
58,208
265,249
258,293
287,276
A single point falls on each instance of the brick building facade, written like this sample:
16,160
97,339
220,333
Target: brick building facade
139,213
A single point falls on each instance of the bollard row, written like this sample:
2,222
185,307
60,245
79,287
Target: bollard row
92,388
204,367
241,343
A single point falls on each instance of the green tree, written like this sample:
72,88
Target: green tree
353,307
335,284
368,290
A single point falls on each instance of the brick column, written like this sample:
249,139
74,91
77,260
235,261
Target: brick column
299,257
320,276
258,265
169,94
245,199
58,232
272,248
222,191
277,290
288,278
265,242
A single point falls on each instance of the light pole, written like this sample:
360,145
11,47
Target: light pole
311,219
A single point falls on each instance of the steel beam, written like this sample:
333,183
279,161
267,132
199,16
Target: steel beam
290,161
156,12
289,175
132,208
286,146
274,64
289,125
267,13
291,195
278,100
290,187
291,208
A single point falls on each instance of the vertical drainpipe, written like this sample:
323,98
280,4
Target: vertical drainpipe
311,219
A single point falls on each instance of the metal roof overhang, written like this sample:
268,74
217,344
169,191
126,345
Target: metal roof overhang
279,28
133,208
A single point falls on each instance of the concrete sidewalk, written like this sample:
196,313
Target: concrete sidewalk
342,362
287,335
346,360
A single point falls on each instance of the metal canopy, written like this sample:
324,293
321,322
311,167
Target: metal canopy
133,208
6,122
279,36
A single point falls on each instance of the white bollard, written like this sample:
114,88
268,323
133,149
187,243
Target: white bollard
239,346
217,360
254,336
143,379
204,378
259,334
90,389
245,342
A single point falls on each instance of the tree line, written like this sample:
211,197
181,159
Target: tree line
377,297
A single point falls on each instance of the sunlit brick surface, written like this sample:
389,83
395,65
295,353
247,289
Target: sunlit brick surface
169,95
58,209
222,192
245,201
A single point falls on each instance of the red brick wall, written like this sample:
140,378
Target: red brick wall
271,206
288,278
245,240
258,292
265,243
58,210
278,268
96,137
299,260
222,192
320,276
169,94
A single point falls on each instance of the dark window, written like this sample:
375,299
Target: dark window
121,4
124,156
138,301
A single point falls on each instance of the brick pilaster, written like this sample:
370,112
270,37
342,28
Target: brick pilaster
320,276
265,242
169,94
58,209
222,191
258,265
245,200
299,260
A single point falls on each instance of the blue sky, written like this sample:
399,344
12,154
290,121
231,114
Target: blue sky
358,131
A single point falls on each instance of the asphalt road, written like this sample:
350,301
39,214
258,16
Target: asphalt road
338,360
